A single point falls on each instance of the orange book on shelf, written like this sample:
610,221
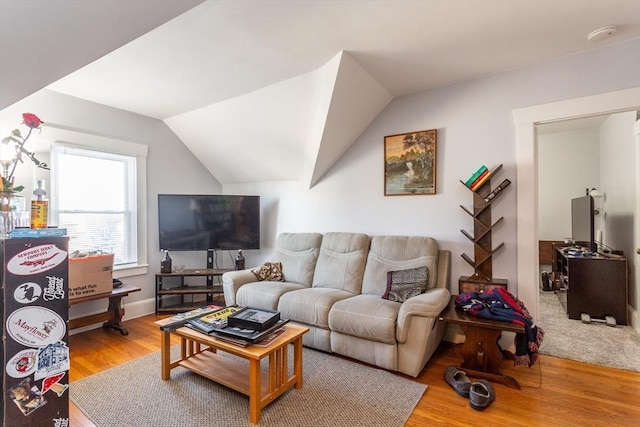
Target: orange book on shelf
482,176
475,176
480,181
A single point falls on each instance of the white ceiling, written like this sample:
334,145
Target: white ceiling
42,40
249,55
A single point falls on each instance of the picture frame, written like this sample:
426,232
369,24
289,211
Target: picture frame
410,163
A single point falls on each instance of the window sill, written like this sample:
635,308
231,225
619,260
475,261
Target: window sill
130,270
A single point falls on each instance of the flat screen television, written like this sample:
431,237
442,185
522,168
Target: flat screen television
582,222
189,222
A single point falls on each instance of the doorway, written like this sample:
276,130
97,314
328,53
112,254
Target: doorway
526,120
588,156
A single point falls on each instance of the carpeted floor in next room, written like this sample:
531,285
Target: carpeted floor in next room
597,343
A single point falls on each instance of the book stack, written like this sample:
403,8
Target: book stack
215,320
17,233
238,325
478,178
181,319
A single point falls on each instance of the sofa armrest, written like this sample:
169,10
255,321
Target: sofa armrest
232,281
444,269
429,304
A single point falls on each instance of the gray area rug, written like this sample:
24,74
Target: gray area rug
335,392
597,343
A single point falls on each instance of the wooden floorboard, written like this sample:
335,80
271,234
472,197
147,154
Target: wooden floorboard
555,392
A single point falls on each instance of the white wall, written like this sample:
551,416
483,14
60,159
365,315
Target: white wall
171,168
568,163
475,126
617,154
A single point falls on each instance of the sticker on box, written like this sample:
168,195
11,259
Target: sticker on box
36,326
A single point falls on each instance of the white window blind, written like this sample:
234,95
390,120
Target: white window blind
95,199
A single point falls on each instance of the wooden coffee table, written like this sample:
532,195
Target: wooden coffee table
198,353
481,354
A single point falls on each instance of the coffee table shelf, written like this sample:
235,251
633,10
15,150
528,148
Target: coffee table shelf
199,353
225,371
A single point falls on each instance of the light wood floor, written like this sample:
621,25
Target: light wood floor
555,392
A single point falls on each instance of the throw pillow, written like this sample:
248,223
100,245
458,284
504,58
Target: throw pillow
269,271
404,284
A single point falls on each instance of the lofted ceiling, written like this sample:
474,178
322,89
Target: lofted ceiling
279,90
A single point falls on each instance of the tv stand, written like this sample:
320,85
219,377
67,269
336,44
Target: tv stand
195,294
596,285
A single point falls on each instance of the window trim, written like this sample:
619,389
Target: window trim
60,135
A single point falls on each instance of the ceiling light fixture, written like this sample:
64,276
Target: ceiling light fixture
601,33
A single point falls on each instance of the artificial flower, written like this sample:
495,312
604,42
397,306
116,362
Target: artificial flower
32,122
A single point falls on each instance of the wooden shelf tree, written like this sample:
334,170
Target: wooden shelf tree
483,250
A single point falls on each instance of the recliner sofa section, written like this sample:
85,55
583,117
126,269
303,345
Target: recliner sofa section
334,285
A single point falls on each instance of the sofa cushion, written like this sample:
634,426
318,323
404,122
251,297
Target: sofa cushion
366,316
404,284
310,305
341,261
269,271
298,253
264,294
392,253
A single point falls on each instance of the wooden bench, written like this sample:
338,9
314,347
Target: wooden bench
112,317
481,354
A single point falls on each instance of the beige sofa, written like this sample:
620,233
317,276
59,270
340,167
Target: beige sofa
334,285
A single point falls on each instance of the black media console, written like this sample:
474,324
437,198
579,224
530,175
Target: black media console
594,284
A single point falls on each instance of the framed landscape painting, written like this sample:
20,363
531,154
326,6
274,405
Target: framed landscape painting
410,163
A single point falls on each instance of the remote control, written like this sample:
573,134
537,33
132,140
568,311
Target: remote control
498,189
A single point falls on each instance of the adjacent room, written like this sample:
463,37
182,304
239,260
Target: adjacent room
306,213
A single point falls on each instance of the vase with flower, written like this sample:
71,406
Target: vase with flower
12,152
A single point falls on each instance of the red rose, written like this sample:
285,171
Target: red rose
31,120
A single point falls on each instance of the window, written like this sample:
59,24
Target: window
98,193
96,201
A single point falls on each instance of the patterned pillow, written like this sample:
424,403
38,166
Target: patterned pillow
404,284
269,271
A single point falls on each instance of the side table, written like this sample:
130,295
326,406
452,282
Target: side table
481,354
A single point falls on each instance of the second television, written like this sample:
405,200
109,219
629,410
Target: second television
583,222
188,222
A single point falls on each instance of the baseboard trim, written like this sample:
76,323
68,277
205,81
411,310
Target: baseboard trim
132,310
634,318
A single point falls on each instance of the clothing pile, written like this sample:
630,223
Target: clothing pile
498,304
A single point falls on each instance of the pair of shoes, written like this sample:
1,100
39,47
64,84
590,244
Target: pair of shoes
481,395
458,380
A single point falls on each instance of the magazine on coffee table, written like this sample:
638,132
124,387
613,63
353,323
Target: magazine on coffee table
266,341
213,321
235,341
180,319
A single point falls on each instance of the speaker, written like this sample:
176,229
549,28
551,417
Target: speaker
210,260
546,283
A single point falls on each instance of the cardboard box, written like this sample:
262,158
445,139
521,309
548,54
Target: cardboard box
90,275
